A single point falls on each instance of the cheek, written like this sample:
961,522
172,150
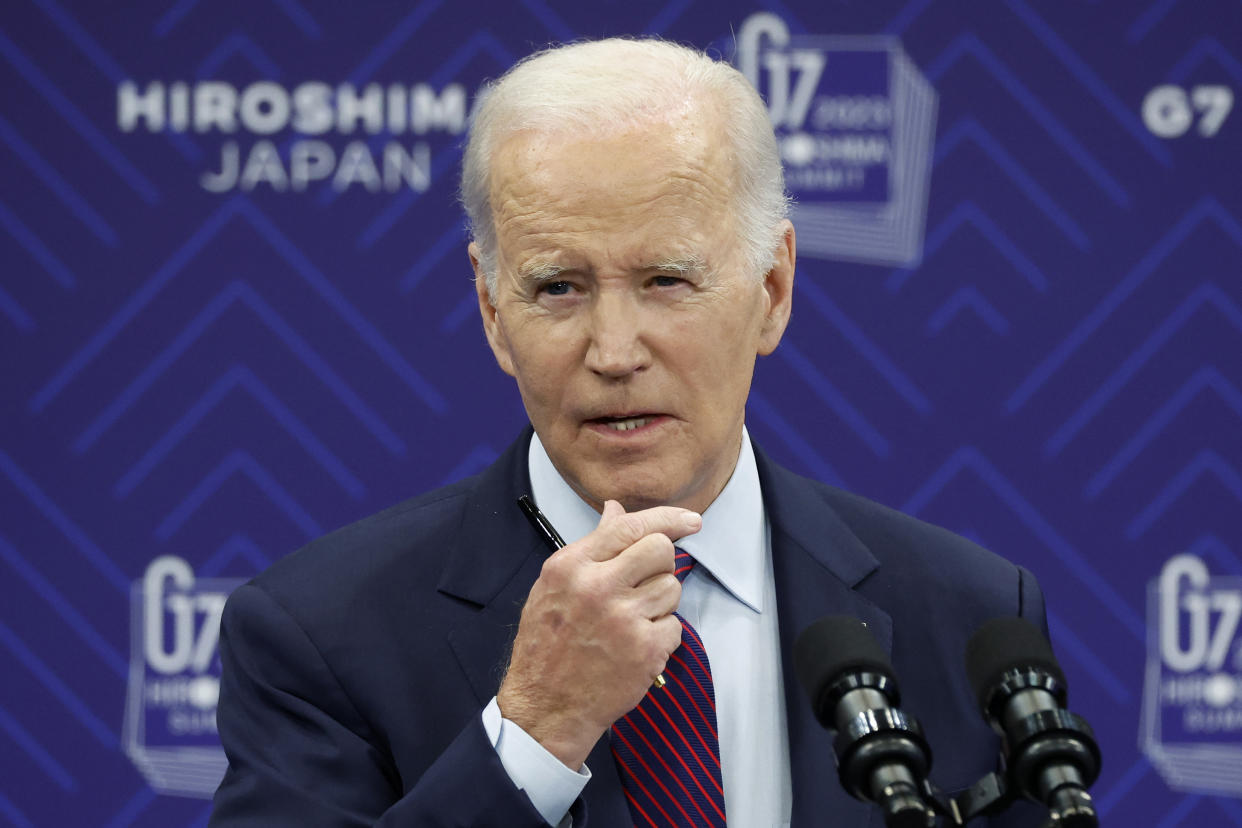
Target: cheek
542,363
525,340
724,339
723,366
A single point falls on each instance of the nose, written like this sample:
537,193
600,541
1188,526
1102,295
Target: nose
617,339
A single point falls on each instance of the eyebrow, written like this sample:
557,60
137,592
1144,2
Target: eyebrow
541,272
544,272
688,264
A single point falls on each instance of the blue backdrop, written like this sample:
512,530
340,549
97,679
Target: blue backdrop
236,312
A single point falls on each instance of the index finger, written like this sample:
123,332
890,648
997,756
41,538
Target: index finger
618,529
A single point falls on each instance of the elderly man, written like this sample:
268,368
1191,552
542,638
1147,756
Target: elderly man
436,664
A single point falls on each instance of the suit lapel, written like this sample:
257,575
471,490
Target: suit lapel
494,562
817,563
494,559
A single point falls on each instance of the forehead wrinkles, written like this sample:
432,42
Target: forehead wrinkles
673,181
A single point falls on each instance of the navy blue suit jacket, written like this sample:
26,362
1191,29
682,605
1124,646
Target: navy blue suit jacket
355,669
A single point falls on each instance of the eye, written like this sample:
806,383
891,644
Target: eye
666,281
556,288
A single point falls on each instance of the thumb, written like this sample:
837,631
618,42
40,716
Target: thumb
612,509
600,545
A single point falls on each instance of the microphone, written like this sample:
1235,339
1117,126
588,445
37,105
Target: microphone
882,756
1050,754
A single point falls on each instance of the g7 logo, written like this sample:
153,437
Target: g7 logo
1186,608
793,74
193,643
1169,112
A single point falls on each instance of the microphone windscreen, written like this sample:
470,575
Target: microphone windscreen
830,648
1005,644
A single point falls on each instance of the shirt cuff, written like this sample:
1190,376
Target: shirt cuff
551,786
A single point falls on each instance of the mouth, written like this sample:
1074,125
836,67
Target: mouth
627,422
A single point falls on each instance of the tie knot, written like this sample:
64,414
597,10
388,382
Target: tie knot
682,564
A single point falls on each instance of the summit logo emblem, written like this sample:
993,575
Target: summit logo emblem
174,678
1191,726
856,124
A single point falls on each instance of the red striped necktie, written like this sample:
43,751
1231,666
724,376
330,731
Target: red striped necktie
666,749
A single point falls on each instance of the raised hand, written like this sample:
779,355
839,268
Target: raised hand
596,629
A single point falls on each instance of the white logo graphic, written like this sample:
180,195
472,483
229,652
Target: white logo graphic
1170,111
174,678
1191,727
856,124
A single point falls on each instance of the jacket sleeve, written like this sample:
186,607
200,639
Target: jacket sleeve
301,754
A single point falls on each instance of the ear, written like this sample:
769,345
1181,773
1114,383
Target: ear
491,317
778,286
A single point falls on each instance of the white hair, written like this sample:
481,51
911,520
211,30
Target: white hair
609,85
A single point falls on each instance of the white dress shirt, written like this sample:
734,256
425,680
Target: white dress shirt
730,598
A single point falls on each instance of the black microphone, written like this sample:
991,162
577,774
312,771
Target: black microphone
1050,754
882,756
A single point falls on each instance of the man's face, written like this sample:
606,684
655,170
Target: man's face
623,310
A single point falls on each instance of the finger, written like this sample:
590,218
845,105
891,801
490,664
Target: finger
662,637
618,529
650,556
657,596
668,632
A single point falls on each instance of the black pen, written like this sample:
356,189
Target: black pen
541,523
554,540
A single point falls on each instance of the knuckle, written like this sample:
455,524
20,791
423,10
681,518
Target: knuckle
596,591
631,527
556,568
673,641
658,549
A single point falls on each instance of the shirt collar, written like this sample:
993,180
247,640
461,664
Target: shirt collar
732,545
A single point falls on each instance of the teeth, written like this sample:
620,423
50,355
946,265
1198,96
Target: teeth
630,424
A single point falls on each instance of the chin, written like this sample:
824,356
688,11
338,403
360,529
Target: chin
632,495
638,502
637,497
639,484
